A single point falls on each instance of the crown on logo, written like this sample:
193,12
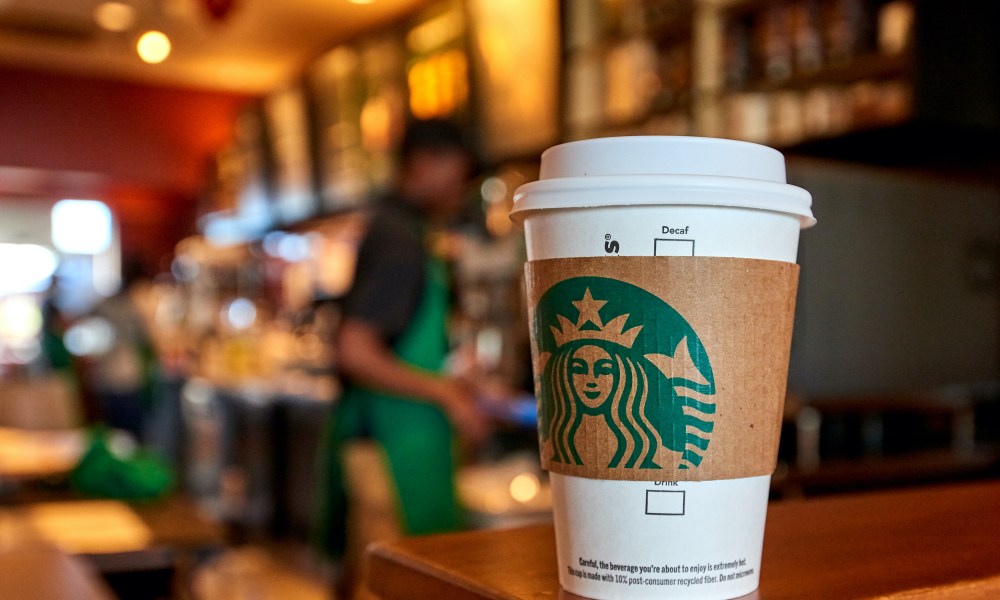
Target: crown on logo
612,331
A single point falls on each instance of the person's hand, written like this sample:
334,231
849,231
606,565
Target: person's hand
460,405
502,402
493,390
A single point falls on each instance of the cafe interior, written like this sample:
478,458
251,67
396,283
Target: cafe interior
184,187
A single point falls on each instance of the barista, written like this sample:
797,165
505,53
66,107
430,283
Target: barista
391,348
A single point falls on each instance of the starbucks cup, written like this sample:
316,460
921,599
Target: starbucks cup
661,281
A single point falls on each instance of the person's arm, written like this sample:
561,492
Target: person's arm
365,359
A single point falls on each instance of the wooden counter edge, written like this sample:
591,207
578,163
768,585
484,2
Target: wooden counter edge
831,530
402,572
978,589
42,572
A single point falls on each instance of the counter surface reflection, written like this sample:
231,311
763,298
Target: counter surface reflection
934,542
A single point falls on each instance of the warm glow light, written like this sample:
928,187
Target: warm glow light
376,124
362,1
20,319
438,84
524,487
114,16
435,33
153,47
496,502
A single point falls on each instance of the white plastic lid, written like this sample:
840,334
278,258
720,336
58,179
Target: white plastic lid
663,155
697,171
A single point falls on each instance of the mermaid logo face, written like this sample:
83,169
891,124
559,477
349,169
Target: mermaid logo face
592,371
610,349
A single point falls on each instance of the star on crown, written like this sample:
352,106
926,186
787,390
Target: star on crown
612,331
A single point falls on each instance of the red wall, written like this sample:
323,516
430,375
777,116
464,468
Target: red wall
151,146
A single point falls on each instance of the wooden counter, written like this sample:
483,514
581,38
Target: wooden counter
44,573
89,546
28,454
913,544
95,527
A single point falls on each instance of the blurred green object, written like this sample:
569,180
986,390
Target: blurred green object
104,473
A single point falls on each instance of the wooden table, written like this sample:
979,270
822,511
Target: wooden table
140,546
913,544
82,526
44,573
28,454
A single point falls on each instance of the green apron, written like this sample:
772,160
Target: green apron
416,436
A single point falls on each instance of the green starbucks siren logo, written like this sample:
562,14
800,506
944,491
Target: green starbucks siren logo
610,349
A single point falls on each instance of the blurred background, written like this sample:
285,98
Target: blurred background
182,191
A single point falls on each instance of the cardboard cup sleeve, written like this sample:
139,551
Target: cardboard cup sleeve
660,367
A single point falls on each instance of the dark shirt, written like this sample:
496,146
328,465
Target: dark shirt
389,279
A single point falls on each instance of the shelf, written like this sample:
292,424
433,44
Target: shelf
922,144
862,68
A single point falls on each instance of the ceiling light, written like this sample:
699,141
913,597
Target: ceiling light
362,1
153,47
81,226
114,16
25,268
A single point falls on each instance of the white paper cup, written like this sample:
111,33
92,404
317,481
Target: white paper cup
660,196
